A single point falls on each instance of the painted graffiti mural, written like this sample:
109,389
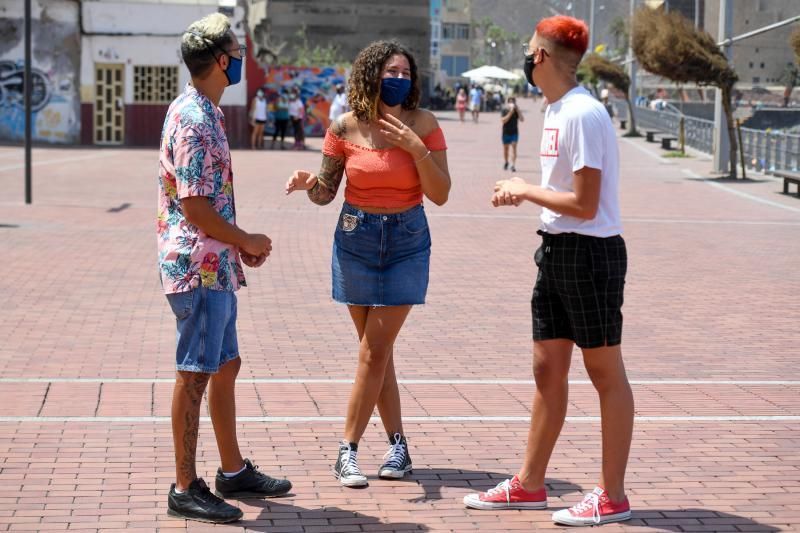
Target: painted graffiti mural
317,87
54,93
54,111
12,84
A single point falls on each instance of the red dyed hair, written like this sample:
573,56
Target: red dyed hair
567,32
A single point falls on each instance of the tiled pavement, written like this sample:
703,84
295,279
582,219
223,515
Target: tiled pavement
711,343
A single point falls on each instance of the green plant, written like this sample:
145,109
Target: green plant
303,54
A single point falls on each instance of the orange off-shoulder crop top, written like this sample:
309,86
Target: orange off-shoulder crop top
380,177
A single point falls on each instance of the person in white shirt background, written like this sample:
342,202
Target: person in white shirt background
578,294
475,98
339,104
258,117
297,114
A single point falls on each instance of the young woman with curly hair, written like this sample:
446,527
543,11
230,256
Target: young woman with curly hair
393,153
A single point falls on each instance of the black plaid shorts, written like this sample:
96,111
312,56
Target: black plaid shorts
578,291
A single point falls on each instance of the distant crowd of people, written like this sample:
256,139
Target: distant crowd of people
287,108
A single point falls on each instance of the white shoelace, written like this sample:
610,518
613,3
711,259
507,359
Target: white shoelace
590,501
349,459
396,456
503,486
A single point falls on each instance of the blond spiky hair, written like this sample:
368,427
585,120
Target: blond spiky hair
203,40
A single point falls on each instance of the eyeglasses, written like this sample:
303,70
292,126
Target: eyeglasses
242,51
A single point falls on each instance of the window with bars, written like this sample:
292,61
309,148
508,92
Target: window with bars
155,84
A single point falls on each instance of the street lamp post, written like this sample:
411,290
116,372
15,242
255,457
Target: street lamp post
27,101
722,146
631,58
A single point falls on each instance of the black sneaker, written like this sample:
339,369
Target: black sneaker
505,166
346,468
513,168
397,459
250,483
197,503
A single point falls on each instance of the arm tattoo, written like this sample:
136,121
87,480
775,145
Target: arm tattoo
328,180
330,174
339,128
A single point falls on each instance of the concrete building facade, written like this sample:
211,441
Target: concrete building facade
105,71
350,25
456,39
760,61
131,69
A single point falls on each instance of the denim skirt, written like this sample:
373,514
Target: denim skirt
381,260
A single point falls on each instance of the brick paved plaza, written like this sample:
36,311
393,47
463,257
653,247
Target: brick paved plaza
86,351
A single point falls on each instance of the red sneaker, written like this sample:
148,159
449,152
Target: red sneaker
596,508
508,494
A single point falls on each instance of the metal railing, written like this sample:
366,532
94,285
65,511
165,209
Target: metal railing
764,150
771,150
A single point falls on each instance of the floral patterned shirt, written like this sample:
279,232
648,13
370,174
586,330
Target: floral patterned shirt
195,160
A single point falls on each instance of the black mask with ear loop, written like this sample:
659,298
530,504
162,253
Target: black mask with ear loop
528,69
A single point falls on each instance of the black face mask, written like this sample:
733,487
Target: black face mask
528,69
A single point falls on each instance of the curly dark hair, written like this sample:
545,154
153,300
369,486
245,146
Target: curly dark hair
365,79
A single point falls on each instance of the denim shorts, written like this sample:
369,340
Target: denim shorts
510,138
381,260
206,321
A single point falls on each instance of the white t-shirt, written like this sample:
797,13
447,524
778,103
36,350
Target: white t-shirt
338,106
578,133
260,112
297,109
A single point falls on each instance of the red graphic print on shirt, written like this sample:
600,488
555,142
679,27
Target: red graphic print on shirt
550,142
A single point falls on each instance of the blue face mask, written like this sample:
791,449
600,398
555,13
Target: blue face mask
234,70
394,90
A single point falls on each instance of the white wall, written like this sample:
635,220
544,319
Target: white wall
156,29
155,18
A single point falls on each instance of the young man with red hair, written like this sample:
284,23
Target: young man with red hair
577,298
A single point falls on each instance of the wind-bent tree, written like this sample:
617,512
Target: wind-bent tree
601,68
586,77
668,45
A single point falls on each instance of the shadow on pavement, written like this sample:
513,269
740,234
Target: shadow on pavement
680,520
432,480
742,181
121,207
276,515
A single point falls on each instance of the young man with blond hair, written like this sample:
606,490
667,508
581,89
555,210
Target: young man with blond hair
200,256
577,298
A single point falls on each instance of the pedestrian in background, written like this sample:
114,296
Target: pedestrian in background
280,112
475,99
258,117
297,114
510,117
338,104
461,103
